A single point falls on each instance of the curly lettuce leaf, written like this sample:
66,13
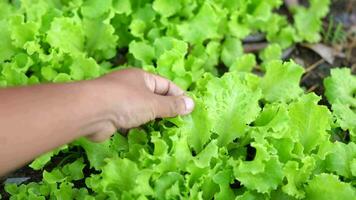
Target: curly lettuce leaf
100,39
340,89
340,159
307,20
166,8
263,173
232,110
95,8
328,186
67,35
303,114
7,48
203,26
41,161
281,81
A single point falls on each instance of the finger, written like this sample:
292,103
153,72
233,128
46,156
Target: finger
103,134
99,137
162,86
171,106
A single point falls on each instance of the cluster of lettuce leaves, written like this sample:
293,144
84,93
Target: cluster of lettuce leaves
249,137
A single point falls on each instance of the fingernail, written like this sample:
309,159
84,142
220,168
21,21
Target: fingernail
189,104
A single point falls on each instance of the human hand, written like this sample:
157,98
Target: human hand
55,114
133,97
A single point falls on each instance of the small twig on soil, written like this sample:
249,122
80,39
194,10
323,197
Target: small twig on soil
312,88
313,66
254,47
310,68
287,52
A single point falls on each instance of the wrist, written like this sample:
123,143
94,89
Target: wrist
96,95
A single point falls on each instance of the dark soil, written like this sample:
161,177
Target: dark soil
25,172
343,11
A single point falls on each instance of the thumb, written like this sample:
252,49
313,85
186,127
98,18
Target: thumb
171,106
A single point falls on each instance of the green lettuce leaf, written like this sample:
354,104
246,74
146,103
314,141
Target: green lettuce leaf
340,91
7,49
67,35
304,114
41,161
203,26
232,110
328,186
166,8
281,81
95,8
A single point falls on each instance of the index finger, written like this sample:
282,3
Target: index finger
162,86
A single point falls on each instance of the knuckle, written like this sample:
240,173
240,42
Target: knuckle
177,106
156,107
104,133
123,121
173,107
150,81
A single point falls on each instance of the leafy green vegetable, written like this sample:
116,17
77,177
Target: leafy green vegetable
67,35
244,63
41,161
340,91
281,82
202,26
307,21
327,186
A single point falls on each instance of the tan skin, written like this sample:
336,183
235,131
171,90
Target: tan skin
36,119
